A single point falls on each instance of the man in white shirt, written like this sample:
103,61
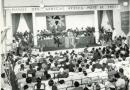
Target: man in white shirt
120,83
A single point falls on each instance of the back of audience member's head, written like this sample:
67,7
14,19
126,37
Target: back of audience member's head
2,89
117,75
48,76
29,80
97,50
3,75
93,49
85,60
76,84
87,66
38,86
45,72
80,69
77,65
61,81
90,63
121,70
86,88
24,75
38,80
50,82
85,73
30,66
49,53
38,69
92,69
111,79
25,87
22,66
89,84
98,87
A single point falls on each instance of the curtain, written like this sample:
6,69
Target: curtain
100,16
15,22
110,18
28,19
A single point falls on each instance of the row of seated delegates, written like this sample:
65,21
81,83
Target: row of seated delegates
80,70
118,82
120,40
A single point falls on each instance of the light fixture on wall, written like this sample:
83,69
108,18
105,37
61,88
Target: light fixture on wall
125,3
42,4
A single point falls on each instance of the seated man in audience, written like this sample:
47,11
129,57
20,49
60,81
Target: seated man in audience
62,74
39,73
77,87
22,81
120,83
121,72
46,76
31,70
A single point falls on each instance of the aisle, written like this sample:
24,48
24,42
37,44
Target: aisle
69,50
13,80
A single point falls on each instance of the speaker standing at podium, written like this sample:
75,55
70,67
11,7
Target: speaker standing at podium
70,40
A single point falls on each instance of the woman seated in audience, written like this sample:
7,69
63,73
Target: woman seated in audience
51,85
31,70
39,73
109,85
25,87
77,87
46,76
90,86
121,73
29,83
62,74
22,81
120,83
39,85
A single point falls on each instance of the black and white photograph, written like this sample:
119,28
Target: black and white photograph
65,44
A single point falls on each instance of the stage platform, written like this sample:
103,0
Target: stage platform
49,45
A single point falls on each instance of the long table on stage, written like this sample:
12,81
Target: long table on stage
80,41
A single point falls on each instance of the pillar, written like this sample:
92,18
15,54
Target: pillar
9,37
34,28
2,26
96,26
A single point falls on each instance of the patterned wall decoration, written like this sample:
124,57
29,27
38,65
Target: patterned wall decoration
56,23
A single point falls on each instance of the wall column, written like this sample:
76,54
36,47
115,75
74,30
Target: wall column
34,29
9,37
96,26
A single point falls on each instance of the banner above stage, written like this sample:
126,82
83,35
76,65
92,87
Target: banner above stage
61,9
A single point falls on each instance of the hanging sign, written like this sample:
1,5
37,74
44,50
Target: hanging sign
62,9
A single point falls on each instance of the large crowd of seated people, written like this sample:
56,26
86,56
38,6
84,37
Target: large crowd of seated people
101,68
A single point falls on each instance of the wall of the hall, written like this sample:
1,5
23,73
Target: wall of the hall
40,21
72,21
117,19
79,21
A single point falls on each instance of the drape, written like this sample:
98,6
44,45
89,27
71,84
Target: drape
28,19
110,18
15,22
100,16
